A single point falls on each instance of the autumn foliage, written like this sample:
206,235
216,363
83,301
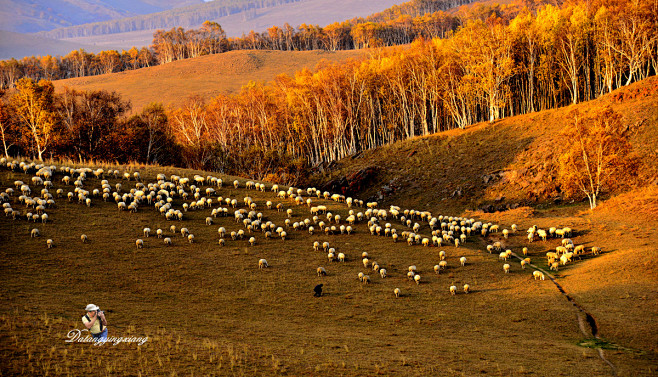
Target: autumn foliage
596,156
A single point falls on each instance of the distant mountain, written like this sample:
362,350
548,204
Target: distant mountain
28,16
235,16
17,45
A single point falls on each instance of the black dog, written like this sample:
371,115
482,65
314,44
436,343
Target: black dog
317,290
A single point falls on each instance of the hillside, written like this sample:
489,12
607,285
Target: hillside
488,166
206,76
502,166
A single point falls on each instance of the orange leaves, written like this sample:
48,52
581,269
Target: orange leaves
595,155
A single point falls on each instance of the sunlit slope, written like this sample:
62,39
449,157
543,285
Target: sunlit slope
206,76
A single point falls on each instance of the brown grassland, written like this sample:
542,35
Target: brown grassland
205,76
209,310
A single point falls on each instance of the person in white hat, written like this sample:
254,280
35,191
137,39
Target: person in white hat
95,321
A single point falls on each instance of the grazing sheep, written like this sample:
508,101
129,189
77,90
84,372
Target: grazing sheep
147,231
208,220
83,238
417,279
283,235
341,257
184,232
453,290
596,250
506,268
437,268
525,251
262,263
382,272
366,262
410,275
172,229
366,279
462,260
252,241
221,242
159,233
397,292
467,288
443,265
49,243
505,233
412,268
44,218
190,238
321,271
523,263
538,275
167,241
502,256
554,266
331,257
442,255
34,233
139,244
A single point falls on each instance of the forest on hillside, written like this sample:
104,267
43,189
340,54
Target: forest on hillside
526,60
395,26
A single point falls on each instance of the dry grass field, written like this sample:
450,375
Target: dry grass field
205,76
209,310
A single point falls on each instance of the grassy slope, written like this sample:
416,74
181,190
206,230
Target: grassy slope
209,310
618,288
206,76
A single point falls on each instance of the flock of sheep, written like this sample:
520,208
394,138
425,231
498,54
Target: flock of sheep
164,193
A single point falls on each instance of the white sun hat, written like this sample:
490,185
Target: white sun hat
91,308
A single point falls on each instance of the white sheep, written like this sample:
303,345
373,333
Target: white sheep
159,233
538,275
506,268
467,288
341,257
283,235
321,271
397,292
523,263
443,265
190,238
49,243
366,262
382,272
208,220
83,238
453,290
417,279
167,241
34,233
44,218
525,251
221,242
366,279
147,231
139,244
442,255
252,241
462,260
